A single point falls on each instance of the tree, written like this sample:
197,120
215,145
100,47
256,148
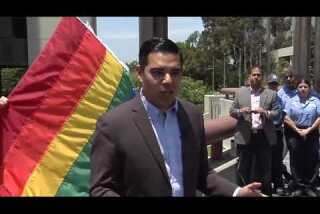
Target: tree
193,90
194,58
133,73
280,27
233,37
9,79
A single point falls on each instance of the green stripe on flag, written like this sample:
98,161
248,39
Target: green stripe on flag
76,182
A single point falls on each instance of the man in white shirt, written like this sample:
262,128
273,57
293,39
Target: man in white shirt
255,107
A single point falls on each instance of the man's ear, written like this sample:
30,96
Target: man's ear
139,72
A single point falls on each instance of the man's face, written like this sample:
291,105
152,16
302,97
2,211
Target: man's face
255,78
161,79
273,86
290,81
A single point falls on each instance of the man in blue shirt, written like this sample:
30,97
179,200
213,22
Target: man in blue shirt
154,144
289,88
285,93
277,150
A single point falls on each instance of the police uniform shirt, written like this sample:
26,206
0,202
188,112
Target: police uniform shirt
303,114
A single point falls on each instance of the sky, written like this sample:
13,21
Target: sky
121,34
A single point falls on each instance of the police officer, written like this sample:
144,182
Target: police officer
303,119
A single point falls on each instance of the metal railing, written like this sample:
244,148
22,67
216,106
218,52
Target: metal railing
219,126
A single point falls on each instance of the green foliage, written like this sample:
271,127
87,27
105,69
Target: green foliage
227,40
231,35
281,65
280,27
9,78
134,79
196,58
132,66
133,73
193,90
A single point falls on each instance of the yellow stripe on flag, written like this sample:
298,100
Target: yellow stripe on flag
69,142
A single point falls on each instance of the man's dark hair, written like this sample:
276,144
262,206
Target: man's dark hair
157,45
289,72
255,67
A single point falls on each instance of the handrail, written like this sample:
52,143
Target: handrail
219,129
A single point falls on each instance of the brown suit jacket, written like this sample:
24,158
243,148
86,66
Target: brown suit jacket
126,159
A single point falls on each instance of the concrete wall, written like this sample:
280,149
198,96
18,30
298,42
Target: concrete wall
212,106
282,52
225,106
40,29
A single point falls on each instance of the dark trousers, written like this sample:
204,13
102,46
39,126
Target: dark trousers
255,162
277,165
303,157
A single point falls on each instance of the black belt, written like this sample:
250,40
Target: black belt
257,131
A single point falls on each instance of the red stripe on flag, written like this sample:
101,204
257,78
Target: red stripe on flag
27,96
58,103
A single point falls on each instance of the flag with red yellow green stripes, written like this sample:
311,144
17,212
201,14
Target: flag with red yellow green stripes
47,126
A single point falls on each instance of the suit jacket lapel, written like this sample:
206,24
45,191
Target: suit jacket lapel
247,97
263,98
142,122
247,101
187,148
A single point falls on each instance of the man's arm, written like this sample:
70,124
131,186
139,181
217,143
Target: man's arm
273,112
291,123
275,107
213,184
209,182
235,110
305,132
105,164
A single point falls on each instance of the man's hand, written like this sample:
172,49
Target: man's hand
259,110
245,110
250,190
3,102
304,132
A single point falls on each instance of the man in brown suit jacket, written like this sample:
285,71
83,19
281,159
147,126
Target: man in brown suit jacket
154,145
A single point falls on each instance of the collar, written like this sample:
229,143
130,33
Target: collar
258,91
153,111
309,98
288,90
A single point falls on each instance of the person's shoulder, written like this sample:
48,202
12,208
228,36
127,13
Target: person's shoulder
280,92
294,98
187,105
315,94
268,90
242,90
315,98
120,111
